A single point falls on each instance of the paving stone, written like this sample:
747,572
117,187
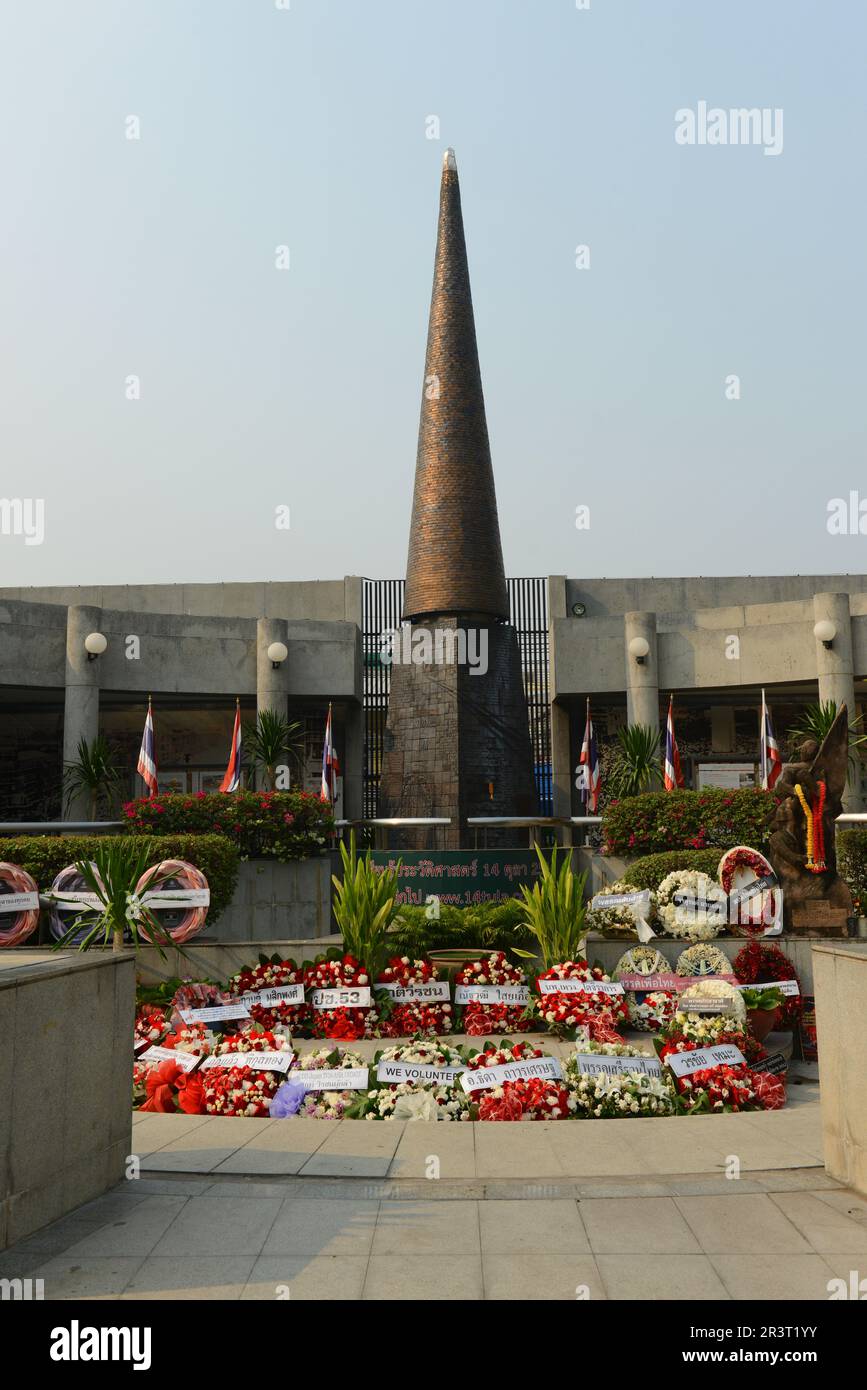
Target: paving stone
532,1227
136,1232
214,1225
299,1278
539,1278
182,1277
92,1276
427,1228
425,1278
647,1278
305,1226
741,1224
797,1277
825,1227
637,1225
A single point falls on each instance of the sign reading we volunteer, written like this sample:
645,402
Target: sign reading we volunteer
397,1072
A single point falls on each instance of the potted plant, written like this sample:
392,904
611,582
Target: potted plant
762,1004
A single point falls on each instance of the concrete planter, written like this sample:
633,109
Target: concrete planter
840,982
274,901
65,1118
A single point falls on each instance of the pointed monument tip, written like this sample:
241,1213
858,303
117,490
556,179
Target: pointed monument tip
449,161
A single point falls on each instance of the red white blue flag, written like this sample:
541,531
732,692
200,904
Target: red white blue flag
232,776
770,762
147,758
672,775
587,780
330,765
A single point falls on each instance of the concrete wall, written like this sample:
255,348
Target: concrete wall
668,597
65,1084
329,600
274,901
796,949
209,960
841,1016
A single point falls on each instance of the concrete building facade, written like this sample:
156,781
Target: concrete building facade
714,643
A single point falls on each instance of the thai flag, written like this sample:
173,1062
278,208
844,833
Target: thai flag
587,780
771,764
330,765
672,775
232,776
147,758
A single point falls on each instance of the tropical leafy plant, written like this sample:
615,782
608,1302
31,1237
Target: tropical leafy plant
112,876
554,911
365,905
815,722
94,772
762,997
270,741
635,766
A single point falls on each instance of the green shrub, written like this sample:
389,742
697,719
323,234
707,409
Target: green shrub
653,868
852,865
494,926
688,820
264,825
43,856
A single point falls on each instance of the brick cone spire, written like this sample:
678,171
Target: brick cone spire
455,563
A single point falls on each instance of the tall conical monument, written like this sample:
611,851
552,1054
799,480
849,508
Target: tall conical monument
457,740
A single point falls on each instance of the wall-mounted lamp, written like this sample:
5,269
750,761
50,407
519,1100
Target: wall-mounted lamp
277,652
95,644
639,648
578,610
825,631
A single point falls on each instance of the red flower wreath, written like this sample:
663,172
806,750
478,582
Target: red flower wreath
270,975
415,1016
481,1019
564,1011
758,963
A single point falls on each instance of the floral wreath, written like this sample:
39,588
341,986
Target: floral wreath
415,1100
412,1016
703,959
533,1098
340,972
681,919
647,1011
272,974
617,921
479,1019
758,962
564,1011
742,857
326,1105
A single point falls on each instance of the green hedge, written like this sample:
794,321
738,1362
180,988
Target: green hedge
495,926
852,865
264,825
660,821
43,856
653,868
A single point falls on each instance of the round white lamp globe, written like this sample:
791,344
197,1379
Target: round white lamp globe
277,652
639,648
95,643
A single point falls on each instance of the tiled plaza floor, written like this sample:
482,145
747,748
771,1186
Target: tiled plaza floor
303,1209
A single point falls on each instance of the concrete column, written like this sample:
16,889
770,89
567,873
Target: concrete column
835,669
353,763
562,771
271,686
81,701
642,681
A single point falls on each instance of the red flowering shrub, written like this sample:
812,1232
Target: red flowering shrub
688,820
264,825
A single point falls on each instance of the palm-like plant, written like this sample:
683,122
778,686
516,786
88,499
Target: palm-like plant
555,911
636,766
113,876
365,906
93,772
815,722
270,740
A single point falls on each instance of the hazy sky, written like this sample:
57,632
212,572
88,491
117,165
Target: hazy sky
307,127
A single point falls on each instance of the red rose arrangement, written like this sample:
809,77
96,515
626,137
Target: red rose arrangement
192,1037
340,972
527,1098
759,963
168,1088
726,1088
479,1018
273,974
564,1012
151,1025
413,1016
254,1040
239,1091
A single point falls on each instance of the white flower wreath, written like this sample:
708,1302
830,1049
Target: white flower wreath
691,905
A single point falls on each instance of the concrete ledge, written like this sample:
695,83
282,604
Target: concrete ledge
64,1087
841,1024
